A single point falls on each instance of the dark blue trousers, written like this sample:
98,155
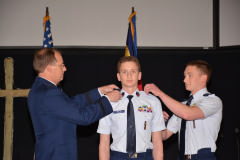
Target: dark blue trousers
114,155
202,154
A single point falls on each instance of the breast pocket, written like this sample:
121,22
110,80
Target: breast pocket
119,122
119,115
145,120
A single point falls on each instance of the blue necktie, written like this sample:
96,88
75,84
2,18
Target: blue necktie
131,131
182,133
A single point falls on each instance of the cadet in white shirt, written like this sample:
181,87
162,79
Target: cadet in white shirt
202,114
148,115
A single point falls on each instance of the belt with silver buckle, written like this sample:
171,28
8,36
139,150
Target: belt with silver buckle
131,155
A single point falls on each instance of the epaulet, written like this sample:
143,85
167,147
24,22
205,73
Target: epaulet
206,94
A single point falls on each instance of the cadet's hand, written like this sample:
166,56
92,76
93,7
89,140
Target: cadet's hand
151,88
107,88
165,115
114,95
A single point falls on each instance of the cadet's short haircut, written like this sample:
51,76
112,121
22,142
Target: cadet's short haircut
203,66
128,59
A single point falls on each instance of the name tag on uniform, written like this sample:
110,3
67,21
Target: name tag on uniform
119,111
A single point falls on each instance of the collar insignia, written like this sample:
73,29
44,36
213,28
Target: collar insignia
137,93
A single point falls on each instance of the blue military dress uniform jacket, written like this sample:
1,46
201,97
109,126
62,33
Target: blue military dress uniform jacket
55,117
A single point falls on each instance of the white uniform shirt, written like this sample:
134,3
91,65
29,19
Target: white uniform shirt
148,119
206,130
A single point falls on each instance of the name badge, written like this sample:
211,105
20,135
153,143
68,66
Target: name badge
119,111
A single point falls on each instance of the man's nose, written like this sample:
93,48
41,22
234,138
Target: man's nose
129,74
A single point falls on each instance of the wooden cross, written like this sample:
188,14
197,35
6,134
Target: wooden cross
9,93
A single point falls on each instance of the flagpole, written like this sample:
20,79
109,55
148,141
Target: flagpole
47,13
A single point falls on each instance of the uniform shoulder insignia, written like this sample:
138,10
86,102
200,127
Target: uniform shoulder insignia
206,94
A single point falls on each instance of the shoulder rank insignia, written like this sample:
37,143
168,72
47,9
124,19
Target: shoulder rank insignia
206,94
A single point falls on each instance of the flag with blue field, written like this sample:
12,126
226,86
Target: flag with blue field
131,44
47,40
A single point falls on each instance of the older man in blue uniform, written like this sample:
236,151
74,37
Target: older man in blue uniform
54,115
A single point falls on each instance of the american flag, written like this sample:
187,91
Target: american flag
47,40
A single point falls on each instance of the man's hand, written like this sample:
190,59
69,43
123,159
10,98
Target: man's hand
152,88
114,95
107,88
165,115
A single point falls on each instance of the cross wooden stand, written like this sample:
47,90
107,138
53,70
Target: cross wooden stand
9,93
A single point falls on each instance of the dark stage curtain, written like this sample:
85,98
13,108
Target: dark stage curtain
88,68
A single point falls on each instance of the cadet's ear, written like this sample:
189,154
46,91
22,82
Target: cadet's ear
118,77
139,75
204,78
